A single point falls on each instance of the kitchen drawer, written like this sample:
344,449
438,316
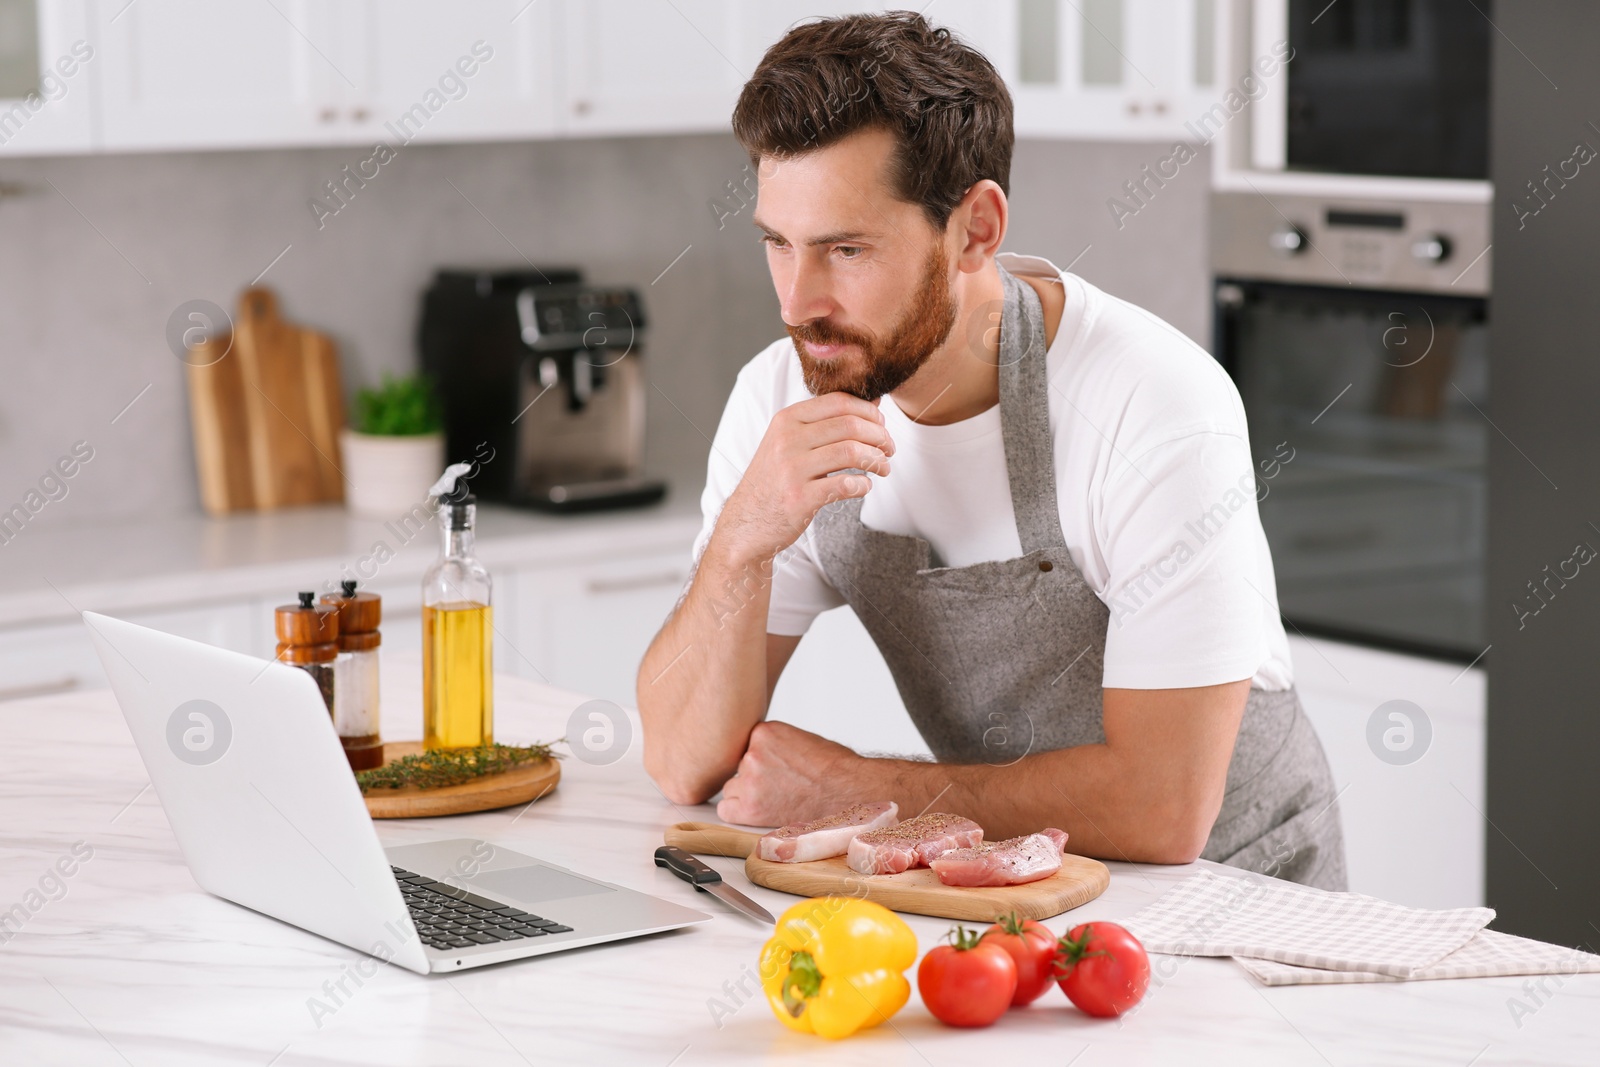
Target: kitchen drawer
61,656
230,625
48,659
586,628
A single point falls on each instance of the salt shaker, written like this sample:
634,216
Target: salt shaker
355,706
308,638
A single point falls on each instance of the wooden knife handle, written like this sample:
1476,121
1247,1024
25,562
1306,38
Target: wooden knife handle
712,839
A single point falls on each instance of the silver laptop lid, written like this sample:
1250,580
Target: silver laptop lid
244,757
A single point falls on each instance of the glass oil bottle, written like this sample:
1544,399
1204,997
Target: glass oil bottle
457,635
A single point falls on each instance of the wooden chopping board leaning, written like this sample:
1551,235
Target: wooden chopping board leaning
266,406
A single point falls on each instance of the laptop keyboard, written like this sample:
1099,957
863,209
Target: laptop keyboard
447,917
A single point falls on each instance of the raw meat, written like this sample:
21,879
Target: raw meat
824,838
1012,862
911,844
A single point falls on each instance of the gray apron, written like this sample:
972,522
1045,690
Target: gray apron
1000,659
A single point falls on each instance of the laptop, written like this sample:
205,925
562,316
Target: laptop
243,754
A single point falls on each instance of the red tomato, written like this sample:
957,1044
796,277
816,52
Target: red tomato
968,982
1032,948
1102,968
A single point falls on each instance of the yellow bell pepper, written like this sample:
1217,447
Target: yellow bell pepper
836,965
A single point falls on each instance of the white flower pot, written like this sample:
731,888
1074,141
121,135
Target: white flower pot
388,476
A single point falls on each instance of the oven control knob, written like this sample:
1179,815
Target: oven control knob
1434,248
1289,239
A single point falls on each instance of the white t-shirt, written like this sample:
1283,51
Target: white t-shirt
1154,482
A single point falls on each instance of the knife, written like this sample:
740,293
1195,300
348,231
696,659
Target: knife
702,877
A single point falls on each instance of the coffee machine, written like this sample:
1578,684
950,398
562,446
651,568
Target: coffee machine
546,371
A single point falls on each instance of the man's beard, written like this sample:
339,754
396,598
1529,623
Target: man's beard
883,365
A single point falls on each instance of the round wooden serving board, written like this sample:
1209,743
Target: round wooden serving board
517,786
919,892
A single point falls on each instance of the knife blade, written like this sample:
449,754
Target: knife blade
702,877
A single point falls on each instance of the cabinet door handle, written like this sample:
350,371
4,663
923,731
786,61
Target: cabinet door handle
39,689
641,581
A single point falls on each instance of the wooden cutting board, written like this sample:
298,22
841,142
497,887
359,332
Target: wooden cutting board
520,785
919,892
266,407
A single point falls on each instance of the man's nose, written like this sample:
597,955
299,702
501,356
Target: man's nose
808,295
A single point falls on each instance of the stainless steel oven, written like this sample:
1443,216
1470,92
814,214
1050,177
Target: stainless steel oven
1356,332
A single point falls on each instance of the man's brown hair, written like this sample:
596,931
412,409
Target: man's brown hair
948,109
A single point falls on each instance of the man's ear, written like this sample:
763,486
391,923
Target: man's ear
979,225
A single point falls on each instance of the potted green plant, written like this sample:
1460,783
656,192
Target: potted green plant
394,448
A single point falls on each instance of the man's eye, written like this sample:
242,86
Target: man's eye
848,251
773,241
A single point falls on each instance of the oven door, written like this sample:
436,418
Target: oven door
1368,418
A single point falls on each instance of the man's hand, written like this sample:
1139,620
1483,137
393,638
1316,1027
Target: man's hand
790,775
788,481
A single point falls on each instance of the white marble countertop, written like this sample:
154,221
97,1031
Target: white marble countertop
153,563
133,964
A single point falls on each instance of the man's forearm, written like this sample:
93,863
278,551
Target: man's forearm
702,684
1086,790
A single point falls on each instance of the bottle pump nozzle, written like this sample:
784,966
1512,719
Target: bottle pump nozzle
446,486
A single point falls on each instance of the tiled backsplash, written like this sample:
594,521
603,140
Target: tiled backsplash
98,251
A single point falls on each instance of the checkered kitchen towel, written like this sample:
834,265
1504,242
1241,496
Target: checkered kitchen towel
1489,954
1264,918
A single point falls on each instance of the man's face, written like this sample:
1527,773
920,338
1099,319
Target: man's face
862,277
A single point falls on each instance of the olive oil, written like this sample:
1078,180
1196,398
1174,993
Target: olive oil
457,630
457,675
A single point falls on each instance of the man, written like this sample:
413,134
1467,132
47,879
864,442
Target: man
1039,500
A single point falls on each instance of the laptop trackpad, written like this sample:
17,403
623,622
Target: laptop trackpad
535,884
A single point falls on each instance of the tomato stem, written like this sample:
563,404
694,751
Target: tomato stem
1070,950
962,939
1011,923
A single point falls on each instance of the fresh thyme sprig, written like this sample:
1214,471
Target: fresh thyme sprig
452,766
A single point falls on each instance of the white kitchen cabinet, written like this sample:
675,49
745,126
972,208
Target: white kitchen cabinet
1414,831
61,656
650,66
201,74
424,71
242,73
178,74
47,659
836,684
761,25
234,625
47,72
586,627
1114,69
1119,69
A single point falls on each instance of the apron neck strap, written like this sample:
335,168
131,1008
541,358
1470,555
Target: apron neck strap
1025,417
